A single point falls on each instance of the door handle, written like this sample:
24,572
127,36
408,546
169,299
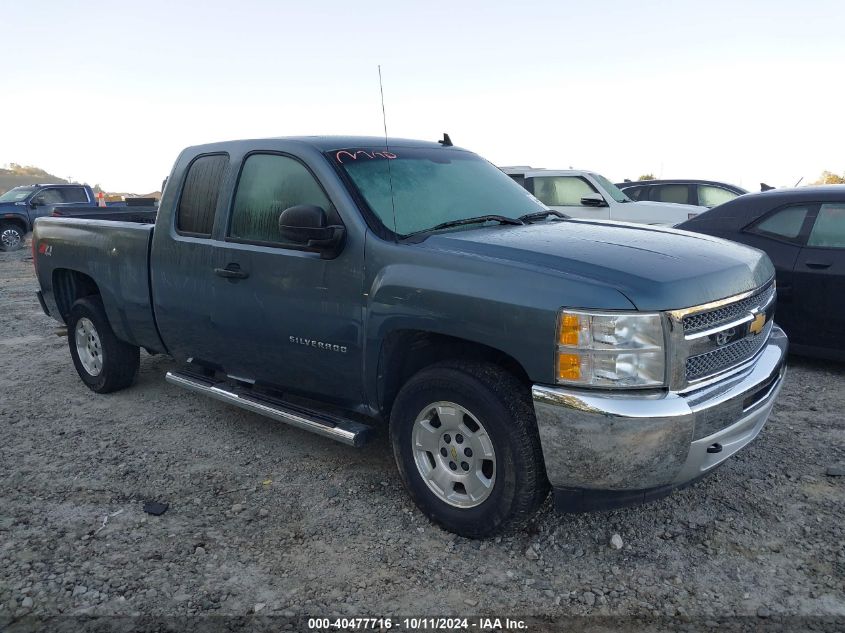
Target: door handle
232,271
817,264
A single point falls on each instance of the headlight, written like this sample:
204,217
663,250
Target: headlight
611,349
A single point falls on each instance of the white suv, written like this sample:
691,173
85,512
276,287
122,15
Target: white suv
586,194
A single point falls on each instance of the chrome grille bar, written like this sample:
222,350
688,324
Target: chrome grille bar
711,319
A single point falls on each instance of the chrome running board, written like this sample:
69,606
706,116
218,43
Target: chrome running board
340,429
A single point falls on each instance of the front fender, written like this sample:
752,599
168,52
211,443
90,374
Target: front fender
490,302
21,219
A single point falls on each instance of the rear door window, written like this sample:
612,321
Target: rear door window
269,184
195,214
829,229
74,194
670,193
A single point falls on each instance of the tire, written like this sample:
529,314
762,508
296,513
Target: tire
11,236
492,403
103,362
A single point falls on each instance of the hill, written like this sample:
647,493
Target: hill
14,175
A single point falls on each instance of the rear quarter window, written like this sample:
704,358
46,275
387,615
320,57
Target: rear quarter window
784,224
198,202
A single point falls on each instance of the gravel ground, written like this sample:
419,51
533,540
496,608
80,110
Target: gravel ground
267,519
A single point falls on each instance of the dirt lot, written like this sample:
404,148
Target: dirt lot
267,519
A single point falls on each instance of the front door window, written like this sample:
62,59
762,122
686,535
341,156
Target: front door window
562,191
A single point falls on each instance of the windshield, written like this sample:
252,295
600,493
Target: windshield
17,194
431,186
614,191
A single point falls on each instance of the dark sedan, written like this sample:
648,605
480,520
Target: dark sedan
803,232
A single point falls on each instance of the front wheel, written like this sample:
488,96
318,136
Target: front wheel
465,441
103,361
11,236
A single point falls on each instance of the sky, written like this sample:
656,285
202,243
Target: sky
743,92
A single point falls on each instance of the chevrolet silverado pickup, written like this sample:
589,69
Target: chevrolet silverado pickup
340,283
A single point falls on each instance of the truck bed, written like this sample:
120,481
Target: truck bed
126,213
113,255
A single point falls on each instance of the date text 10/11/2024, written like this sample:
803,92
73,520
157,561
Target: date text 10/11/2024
417,624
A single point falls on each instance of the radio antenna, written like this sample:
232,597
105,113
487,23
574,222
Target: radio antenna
387,147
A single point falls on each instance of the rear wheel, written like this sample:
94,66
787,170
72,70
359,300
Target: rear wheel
465,441
11,236
103,362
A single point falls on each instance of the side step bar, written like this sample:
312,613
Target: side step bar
346,431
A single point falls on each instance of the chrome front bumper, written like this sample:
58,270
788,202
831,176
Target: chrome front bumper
622,448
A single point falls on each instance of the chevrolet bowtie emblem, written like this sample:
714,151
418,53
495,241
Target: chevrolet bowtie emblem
757,324
454,453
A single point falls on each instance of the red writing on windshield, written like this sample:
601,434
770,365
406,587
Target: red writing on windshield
355,155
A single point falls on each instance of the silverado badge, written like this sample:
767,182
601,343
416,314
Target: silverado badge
329,347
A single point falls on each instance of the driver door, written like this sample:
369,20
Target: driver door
287,318
43,203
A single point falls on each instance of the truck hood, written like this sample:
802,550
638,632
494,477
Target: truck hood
655,268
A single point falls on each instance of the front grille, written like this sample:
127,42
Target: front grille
705,320
723,358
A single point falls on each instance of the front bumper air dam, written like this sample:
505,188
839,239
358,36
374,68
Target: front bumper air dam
605,450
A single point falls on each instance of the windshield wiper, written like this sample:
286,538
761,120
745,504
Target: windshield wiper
501,219
541,215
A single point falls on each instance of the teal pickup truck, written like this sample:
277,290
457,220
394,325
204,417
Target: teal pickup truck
339,283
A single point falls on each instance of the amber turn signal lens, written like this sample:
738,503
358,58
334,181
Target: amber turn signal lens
569,367
570,324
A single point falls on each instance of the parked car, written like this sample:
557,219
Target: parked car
703,193
21,206
336,284
586,194
803,232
